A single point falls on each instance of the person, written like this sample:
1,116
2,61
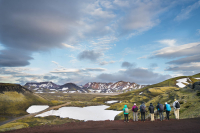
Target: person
125,109
142,111
160,110
135,112
176,106
168,109
151,110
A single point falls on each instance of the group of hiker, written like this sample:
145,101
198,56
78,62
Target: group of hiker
160,109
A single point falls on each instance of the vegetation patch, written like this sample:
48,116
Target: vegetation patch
13,126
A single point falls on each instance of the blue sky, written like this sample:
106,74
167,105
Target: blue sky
141,41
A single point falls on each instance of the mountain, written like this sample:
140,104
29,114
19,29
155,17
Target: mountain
119,86
15,99
91,87
47,85
71,88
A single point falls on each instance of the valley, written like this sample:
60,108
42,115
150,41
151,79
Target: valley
181,88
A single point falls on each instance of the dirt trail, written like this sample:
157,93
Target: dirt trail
34,114
171,126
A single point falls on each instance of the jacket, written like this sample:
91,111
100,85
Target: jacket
151,108
141,106
174,104
134,108
125,106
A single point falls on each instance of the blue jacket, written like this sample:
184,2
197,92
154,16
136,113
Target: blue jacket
125,106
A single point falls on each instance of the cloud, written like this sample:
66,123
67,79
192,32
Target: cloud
153,65
146,16
137,75
14,58
65,70
94,69
177,51
106,62
126,64
68,46
189,59
185,67
89,55
168,42
185,13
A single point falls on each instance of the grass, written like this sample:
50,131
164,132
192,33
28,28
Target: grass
15,104
49,120
13,126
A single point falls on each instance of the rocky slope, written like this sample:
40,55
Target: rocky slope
48,85
5,87
119,86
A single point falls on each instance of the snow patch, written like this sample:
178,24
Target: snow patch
181,81
64,89
95,113
36,108
112,101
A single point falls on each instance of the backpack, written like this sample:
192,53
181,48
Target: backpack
126,110
160,107
168,108
177,105
135,109
142,109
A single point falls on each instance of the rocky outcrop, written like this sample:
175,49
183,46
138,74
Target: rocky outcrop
13,87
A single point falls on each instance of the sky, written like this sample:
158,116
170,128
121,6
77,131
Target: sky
80,41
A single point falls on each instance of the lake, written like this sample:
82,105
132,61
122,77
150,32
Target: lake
95,113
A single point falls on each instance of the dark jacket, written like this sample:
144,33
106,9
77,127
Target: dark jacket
151,108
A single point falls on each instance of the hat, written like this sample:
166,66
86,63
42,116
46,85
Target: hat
134,103
165,102
174,99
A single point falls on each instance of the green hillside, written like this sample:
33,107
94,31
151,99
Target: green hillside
162,92
15,99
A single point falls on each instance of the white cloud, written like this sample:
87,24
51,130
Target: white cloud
68,46
168,42
65,70
106,62
185,13
121,3
178,51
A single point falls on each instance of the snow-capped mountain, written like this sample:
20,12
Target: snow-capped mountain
71,88
119,86
46,85
91,87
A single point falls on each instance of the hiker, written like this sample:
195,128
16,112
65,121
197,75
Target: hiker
176,106
168,109
151,110
160,110
125,109
142,111
135,112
